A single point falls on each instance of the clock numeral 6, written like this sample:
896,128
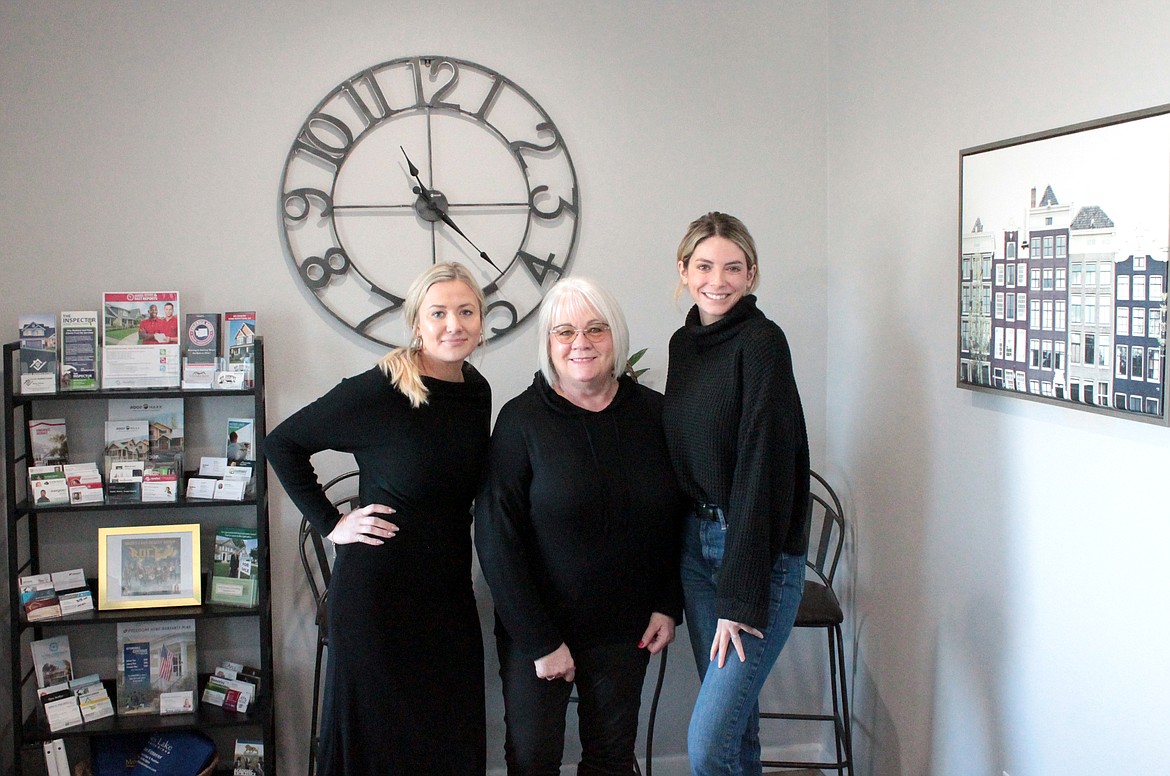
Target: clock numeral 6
317,270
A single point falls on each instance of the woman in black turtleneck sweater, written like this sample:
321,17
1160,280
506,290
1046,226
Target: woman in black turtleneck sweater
736,434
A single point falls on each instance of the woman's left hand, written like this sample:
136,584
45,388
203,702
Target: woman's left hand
728,631
659,633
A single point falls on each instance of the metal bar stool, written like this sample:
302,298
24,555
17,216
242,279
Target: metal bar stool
317,561
820,608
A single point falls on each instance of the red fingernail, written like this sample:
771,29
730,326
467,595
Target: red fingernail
641,644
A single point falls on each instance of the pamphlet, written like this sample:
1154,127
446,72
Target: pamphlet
79,351
235,569
201,350
249,758
241,338
52,660
39,600
141,339
49,440
38,353
126,440
164,419
241,440
154,658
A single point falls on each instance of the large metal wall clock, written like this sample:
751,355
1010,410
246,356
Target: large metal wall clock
420,160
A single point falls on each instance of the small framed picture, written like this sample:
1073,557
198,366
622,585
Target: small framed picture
141,567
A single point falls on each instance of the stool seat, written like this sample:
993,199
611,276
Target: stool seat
819,608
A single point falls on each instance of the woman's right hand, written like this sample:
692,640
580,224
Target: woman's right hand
557,664
364,525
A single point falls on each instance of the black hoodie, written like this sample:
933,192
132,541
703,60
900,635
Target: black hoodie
578,523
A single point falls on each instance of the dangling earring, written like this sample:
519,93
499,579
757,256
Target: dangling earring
416,344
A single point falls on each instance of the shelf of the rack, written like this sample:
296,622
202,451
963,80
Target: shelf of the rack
205,716
181,502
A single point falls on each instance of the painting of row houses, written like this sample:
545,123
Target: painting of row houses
1058,309
1064,240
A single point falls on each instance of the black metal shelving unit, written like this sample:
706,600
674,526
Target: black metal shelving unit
23,523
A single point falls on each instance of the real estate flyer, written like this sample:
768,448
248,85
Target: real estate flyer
235,569
38,353
156,665
241,336
141,337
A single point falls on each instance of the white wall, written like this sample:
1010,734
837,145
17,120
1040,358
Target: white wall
1009,556
141,146
1012,558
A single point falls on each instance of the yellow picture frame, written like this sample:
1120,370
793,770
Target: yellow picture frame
141,567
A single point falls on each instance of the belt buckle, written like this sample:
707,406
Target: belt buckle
708,512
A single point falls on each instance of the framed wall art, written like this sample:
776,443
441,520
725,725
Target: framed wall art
149,566
1063,239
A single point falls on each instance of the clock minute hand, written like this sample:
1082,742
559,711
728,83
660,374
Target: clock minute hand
422,191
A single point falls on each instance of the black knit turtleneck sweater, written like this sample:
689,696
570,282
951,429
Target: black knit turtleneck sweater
736,434
577,526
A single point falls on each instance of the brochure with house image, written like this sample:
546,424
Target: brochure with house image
38,353
235,570
163,416
240,343
141,338
126,440
156,663
164,458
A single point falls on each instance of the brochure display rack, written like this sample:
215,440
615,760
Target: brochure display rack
35,544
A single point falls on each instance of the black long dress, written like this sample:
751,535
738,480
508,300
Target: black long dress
404,693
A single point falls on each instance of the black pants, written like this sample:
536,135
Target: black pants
609,689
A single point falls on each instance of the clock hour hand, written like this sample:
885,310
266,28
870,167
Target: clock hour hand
439,208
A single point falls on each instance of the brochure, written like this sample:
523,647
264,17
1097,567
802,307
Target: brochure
79,351
141,336
38,353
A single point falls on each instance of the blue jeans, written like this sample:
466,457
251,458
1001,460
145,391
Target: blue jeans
724,734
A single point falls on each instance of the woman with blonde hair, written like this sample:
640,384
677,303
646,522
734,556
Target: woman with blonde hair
404,690
736,433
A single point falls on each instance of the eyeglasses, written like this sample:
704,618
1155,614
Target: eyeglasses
566,335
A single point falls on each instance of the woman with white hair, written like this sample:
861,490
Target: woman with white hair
577,530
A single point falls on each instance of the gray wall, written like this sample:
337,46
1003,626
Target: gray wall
143,145
1011,557
993,583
